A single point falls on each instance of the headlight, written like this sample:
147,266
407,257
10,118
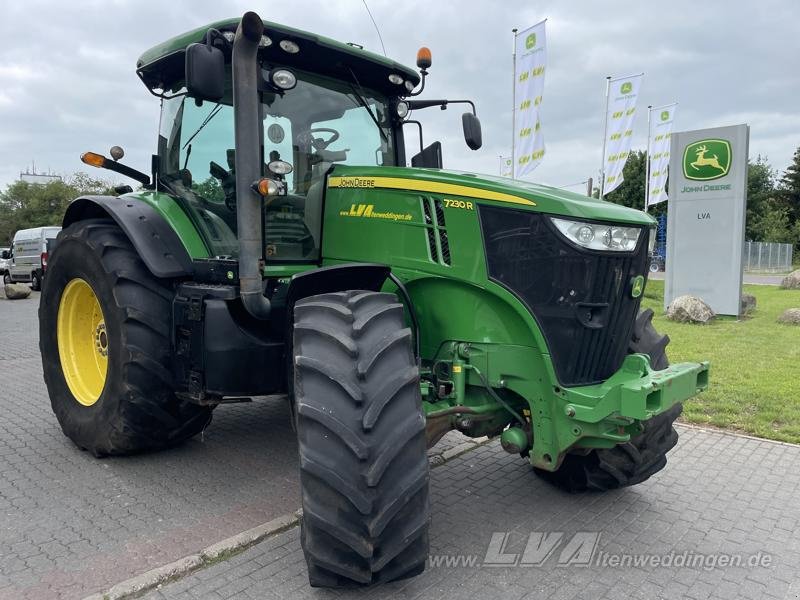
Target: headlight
289,46
283,79
402,109
651,241
599,236
279,167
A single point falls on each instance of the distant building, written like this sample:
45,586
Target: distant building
38,178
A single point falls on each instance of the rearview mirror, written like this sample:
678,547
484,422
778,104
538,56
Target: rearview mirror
205,72
5,255
472,130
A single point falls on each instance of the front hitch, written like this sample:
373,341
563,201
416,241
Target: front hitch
609,413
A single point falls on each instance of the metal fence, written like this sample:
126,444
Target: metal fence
767,256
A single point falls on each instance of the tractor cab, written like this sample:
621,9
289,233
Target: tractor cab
320,103
305,129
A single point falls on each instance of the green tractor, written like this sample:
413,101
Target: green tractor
281,246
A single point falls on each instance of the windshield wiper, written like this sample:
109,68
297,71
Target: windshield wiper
359,94
214,112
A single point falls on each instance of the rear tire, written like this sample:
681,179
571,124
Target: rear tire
136,409
36,282
644,455
361,439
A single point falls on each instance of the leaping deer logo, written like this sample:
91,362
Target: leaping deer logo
703,161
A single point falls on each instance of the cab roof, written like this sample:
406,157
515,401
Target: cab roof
162,66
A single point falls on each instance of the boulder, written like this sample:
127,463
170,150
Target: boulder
791,316
748,304
791,281
689,309
16,291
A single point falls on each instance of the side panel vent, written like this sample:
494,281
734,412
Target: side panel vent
429,225
444,244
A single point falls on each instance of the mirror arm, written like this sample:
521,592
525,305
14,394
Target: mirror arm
418,124
417,104
127,172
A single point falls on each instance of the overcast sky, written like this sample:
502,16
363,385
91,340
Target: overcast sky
67,81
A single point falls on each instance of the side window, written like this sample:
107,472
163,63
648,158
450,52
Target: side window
207,149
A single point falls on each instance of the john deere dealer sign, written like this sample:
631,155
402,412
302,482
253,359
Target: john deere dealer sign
706,216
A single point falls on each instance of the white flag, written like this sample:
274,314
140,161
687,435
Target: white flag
504,162
661,119
531,55
622,95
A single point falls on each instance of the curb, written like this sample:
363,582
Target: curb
733,433
214,553
149,580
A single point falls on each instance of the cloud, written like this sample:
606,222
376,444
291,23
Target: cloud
67,81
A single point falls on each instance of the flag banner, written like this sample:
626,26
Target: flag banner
505,166
622,95
529,66
661,119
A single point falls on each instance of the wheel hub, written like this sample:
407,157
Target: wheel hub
101,339
82,342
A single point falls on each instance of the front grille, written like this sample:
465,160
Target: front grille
581,299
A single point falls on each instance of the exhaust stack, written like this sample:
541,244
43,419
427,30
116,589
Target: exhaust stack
248,138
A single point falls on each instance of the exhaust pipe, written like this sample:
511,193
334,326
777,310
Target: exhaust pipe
248,138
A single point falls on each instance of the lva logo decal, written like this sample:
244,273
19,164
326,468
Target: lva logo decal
707,159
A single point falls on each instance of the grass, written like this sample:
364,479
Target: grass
755,364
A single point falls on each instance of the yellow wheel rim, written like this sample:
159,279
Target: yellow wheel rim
82,342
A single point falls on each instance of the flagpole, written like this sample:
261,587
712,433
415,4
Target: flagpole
647,181
514,105
605,135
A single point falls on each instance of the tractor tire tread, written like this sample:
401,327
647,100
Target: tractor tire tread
361,438
149,416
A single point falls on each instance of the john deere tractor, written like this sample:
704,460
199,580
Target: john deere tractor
282,246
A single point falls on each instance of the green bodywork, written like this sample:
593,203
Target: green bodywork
474,328
471,323
468,321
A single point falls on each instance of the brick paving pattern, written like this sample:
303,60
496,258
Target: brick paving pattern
71,525
719,494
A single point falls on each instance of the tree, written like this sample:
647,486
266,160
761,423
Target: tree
631,191
760,199
789,188
24,205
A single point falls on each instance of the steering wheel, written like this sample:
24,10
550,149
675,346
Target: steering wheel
319,143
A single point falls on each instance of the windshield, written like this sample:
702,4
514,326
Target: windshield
319,123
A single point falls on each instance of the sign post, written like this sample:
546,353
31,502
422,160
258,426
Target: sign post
706,216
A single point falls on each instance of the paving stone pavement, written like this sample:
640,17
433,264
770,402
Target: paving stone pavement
71,524
721,497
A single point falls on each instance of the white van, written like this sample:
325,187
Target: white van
5,263
29,255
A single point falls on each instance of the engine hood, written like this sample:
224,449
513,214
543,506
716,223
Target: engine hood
516,193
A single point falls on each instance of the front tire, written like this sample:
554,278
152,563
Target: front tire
104,327
361,438
645,454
